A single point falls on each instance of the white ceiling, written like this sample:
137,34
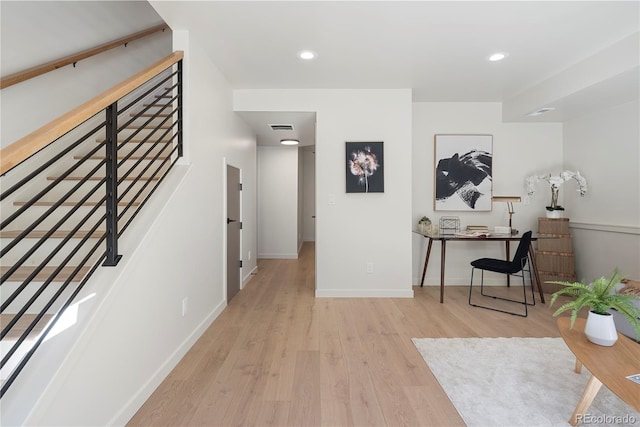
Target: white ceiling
304,126
439,49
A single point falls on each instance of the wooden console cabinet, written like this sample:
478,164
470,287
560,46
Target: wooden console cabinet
554,254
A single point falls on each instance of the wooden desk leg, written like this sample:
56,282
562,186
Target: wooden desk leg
426,261
534,266
442,254
508,250
588,394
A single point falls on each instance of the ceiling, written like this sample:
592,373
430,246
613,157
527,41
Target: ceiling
303,123
439,49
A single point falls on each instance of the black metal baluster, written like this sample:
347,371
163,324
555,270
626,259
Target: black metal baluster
112,256
180,108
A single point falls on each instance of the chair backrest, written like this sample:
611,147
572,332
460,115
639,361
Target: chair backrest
520,258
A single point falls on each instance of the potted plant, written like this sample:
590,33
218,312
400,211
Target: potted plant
600,297
424,224
554,210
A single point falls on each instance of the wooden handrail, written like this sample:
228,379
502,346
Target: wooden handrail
72,59
27,146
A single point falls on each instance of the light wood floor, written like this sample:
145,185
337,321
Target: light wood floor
277,356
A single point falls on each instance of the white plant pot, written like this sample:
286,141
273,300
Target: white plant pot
554,213
600,329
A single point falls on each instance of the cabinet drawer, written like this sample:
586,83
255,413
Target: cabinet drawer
553,225
555,243
556,262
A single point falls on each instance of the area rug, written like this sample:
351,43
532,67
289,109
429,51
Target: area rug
517,382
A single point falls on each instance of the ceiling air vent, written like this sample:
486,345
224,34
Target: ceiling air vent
281,127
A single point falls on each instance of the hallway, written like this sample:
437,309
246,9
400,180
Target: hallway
279,356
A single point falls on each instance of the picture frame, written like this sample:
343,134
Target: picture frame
463,172
364,167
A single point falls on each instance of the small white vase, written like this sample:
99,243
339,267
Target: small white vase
600,329
553,213
424,227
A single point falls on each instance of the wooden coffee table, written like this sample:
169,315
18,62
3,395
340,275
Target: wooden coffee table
608,365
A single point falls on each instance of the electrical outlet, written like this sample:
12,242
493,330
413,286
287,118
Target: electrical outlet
332,199
185,306
526,200
369,267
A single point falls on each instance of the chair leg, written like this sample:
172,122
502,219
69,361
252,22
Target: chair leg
533,292
471,285
524,293
525,303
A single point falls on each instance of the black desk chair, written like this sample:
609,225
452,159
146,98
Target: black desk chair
516,267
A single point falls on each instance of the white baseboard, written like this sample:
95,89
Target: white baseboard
138,399
364,293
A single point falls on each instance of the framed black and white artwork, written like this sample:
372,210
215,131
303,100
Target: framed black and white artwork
463,172
365,167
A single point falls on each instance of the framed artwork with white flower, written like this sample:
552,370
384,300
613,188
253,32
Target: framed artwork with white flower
365,167
463,172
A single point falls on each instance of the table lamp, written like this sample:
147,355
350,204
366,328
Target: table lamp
509,200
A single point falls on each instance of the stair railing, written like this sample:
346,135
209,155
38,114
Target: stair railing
70,190
38,70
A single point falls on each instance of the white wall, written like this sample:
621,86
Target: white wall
277,202
175,250
355,229
36,32
519,150
605,223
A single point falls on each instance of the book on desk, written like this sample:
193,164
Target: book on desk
473,234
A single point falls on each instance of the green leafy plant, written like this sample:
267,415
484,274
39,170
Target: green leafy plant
599,297
424,220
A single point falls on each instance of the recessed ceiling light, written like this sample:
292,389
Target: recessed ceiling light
307,54
499,56
289,142
540,111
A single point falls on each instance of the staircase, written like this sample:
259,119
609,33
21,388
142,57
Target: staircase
64,207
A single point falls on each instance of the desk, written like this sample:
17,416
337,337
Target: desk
444,238
608,365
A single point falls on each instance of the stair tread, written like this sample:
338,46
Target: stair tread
24,271
163,115
98,178
22,324
70,203
139,141
155,105
163,127
58,234
103,157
